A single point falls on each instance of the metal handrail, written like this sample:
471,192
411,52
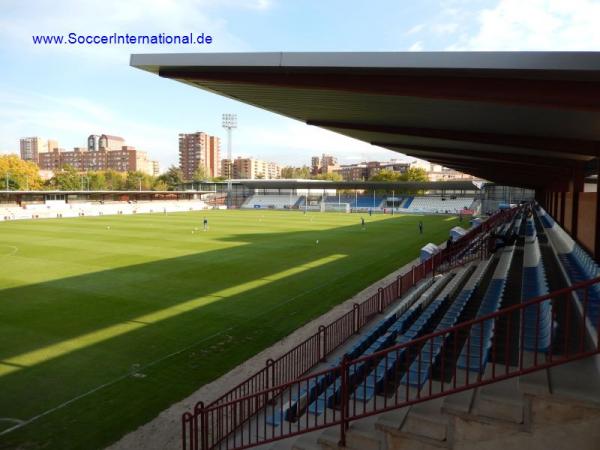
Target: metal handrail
262,381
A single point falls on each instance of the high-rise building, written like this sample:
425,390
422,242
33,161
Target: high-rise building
226,168
31,147
155,168
250,169
328,160
323,164
315,164
199,150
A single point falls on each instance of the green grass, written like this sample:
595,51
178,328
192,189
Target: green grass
82,306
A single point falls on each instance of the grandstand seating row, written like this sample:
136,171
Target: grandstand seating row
439,304
439,204
577,264
409,204
57,210
272,201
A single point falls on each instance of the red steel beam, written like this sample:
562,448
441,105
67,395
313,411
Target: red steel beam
545,93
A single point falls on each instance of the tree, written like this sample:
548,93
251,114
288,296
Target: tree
138,181
414,174
115,181
21,174
386,175
68,179
97,181
172,177
295,172
160,185
331,176
201,174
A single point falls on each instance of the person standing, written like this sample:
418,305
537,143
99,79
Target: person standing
420,227
205,224
362,222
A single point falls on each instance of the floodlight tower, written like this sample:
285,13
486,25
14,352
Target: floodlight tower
229,123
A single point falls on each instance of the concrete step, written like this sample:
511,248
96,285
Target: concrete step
306,442
392,421
459,403
361,435
577,380
502,400
427,420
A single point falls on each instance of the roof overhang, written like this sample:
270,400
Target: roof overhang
363,185
517,118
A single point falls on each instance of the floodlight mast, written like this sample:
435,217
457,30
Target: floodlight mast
229,123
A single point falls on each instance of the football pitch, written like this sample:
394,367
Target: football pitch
106,321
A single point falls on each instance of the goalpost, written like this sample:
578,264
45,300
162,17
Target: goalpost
335,207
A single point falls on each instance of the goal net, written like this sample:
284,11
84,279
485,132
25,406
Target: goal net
335,207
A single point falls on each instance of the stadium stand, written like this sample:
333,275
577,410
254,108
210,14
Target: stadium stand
407,204
409,350
52,211
438,204
272,201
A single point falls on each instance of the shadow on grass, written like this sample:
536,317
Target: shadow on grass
203,342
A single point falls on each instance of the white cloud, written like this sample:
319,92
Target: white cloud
416,47
536,25
444,28
414,30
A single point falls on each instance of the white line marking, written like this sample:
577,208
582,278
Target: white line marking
14,249
102,386
152,363
9,419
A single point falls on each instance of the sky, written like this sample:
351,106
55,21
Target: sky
69,92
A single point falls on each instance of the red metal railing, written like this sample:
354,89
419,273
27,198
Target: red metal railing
316,348
431,366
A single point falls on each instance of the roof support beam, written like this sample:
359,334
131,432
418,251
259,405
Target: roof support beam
545,93
578,146
506,158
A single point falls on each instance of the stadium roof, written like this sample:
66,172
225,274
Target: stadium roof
369,185
523,119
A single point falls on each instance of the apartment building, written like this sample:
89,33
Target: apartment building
199,150
31,147
250,169
126,159
323,164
